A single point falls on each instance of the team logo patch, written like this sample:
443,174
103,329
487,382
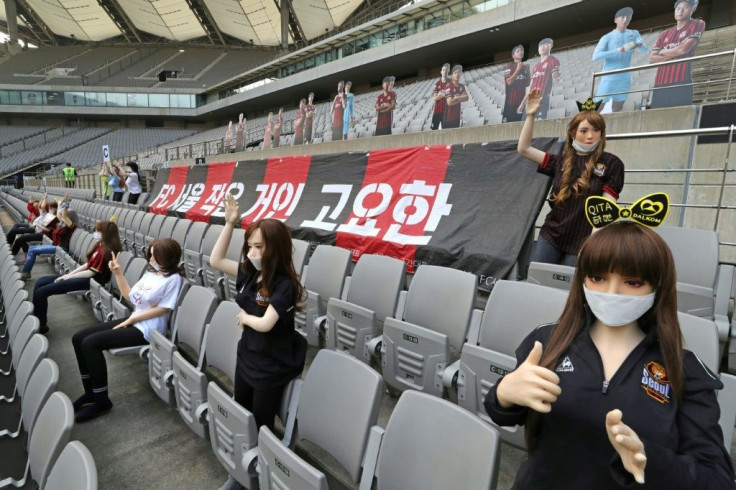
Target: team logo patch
261,298
655,382
565,366
599,169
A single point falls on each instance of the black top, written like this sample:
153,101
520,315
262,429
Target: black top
682,440
270,359
566,227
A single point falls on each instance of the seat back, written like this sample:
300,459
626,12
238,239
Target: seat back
42,383
699,269
26,356
135,270
328,268
234,252
700,336
194,236
414,443
223,334
208,243
299,254
551,275
510,314
86,244
168,224
74,469
194,313
338,405
280,469
181,227
49,436
441,299
375,284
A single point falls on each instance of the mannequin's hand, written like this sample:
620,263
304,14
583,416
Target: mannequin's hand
627,444
530,385
232,212
533,102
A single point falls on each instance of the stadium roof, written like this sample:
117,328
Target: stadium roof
250,21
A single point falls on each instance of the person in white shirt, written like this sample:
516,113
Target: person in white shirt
153,298
132,183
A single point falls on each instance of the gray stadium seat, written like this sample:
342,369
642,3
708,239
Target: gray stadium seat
102,306
415,454
300,254
132,227
417,345
508,318
551,275
41,384
74,469
234,252
193,252
154,231
26,362
189,327
218,350
211,277
372,295
323,278
338,405
142,231
28,327
120,306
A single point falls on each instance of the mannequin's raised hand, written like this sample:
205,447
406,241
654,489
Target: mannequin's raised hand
232,212
627,444
530,385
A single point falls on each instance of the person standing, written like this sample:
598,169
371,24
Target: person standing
385,104
616,49
347,116
267,132
299,123
309,110
672,82
456,96
439,94
276,142
132,183
544,74
70,176
336,111
516,77
116,183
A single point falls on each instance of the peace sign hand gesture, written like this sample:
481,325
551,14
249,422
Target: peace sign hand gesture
232,211
113,264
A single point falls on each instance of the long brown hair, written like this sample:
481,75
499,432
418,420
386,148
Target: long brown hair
631,250
110,238
569,188
276,257
167,253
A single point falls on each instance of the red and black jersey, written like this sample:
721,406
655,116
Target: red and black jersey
677,73
385,118
337,111
299,128
277,126
542,75
309,114
61,236
452,113
439,87
32,212
516,91
98,263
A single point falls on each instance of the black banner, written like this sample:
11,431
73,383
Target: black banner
469,207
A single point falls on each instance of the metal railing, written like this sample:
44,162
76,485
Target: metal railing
730,79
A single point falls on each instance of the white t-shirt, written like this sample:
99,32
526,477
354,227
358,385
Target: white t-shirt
131,182
154,290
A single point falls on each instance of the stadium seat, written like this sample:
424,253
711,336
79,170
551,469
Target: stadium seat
121,307
420,343
74,469
323,278
27,327
551,275
334,380
189,327
190,380
299,255
416,453
102,306
133,227
41,383
508,318
23,365
372,294
193,252
153,232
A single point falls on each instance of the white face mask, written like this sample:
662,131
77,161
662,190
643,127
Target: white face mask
154,264
97,236
255,261
583,148
617,310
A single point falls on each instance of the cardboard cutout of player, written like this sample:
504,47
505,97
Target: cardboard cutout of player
544,74
240,133
277,128
392,80
385,104
268,131
676,43
516,77
616,49
299,123
456,96
309,110
227,143
439,94
336,112
347,116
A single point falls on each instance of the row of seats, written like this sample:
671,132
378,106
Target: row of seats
36,411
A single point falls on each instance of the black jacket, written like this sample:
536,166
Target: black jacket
682,440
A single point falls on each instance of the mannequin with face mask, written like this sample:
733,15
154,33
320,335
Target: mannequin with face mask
106,242
584,169
271,352
607,393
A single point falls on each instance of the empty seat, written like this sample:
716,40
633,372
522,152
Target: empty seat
74,469
508,318
324,278
416,346
334,380
189,327
154,231
299,255
42,382
234,252
551,275
372,295
193,252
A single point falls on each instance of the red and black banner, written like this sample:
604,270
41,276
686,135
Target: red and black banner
470,207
